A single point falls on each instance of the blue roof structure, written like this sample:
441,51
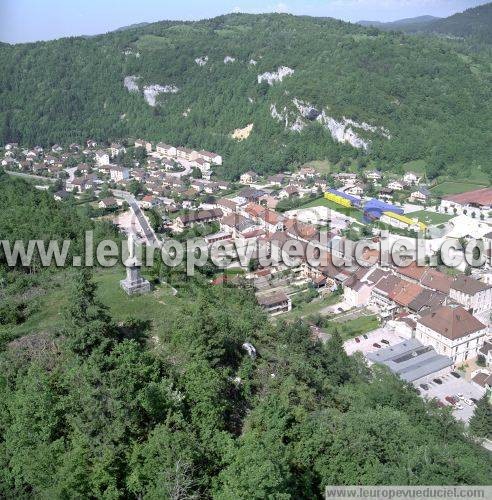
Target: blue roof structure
373,209
356,202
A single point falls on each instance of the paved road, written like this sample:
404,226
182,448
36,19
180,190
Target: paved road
148,232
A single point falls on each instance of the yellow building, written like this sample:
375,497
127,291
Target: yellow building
402,221
340,200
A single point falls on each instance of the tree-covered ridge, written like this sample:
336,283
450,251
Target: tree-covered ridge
475,22
432,95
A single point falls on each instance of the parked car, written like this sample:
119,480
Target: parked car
357,339
451,400
437,381
376,345
467,401
384,341
365,336
456,374
459,396
458,406
474,401
425,387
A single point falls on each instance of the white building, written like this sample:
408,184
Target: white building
471,294
119,174
165,149
102,158
210,157
452,331
472,203
396,186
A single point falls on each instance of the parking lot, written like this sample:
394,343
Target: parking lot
366,346
451,386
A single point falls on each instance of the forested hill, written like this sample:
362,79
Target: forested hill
390,96
476,23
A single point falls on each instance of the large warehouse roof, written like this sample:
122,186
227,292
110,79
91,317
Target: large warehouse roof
480,197
411,360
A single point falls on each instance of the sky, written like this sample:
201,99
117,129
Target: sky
32,20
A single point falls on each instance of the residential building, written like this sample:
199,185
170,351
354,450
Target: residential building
275,303
140,143
102,158
452,331
474,295
248,177
412,178
118,174
396,186
108,203
166,150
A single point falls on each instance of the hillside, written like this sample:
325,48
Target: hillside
314,88
408,25
475,22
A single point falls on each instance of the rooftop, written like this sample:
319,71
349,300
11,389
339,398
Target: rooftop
451,322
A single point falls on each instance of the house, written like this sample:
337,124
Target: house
227,206
422,195
472,294
275,303
381,295
102,158
307,173
118,173
116,149
56,148
486,352
81,184
277,180
251,194
386,194
61,195
200,217
166,150
354,190
271,221
140,143
149,201
248,177
412,178
452,331
288,192
108,203
374,175
236,224
396,186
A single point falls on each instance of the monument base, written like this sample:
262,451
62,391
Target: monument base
134,283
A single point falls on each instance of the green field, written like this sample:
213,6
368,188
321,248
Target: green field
157,306
450,187
322,202
417,166
321,166
358,326
430,218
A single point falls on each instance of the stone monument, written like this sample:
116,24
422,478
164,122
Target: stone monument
133,283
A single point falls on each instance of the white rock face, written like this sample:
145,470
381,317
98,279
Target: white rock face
152,91
130,83
252,62
201,61
341,130
275,76
229,59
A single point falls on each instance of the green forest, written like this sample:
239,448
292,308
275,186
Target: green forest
432,94
122,407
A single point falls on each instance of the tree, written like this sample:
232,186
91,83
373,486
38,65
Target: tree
481,421
88,326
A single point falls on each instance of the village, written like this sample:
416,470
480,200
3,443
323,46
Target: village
428,324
